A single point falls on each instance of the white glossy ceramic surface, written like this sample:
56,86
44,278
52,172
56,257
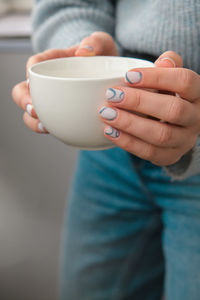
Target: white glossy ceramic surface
67,94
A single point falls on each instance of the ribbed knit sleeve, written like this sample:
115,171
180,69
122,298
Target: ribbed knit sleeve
64,23
187,166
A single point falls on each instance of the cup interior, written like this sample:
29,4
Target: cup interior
92,68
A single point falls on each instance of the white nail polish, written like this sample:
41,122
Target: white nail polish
29,108
90,48
108,113
112,132
133,77
170,59
41,127
114,95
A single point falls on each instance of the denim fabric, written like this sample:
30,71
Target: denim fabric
130,232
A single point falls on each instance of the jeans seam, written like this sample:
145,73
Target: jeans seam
144,188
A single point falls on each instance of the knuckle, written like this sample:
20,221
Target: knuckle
165,134
14,91
186,79
126,142
172,161
137,99
193,140
20,95
165,162
157,163
157,79
149,152
176,111
127,123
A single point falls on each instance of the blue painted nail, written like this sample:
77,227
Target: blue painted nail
133,77
112,132
108,113
114,95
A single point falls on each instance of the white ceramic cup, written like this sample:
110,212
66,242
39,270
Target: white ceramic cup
67,94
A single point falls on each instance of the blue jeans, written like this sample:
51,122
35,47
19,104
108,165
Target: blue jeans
130,233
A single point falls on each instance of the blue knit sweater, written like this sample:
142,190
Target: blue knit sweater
144,26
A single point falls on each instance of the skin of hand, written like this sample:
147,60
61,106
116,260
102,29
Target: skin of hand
98,43
173,123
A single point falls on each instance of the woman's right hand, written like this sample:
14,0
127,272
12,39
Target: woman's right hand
98,43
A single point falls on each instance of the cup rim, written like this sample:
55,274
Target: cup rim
34,73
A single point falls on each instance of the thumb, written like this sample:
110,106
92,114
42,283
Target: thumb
98,43
169,59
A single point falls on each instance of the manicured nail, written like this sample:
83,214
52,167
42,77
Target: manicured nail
89,48
114,95
27,81
112,132
41,127
108,113
169,59
133,77
29,108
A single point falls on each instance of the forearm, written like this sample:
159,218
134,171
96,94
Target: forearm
63,23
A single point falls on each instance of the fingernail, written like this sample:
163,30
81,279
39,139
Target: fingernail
27,81
133,77
41,127
108,113
114,95
29,108
89,48
168,59
112,132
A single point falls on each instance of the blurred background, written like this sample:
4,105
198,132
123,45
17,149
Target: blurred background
35,175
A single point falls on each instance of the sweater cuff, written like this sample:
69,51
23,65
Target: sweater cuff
119,47
64,35
187,166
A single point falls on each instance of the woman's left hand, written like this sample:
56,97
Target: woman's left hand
178,106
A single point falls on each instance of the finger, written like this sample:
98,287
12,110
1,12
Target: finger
50,54
98,43
169,59
150,131
183,81
169,108
158,156
34,124
21,96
